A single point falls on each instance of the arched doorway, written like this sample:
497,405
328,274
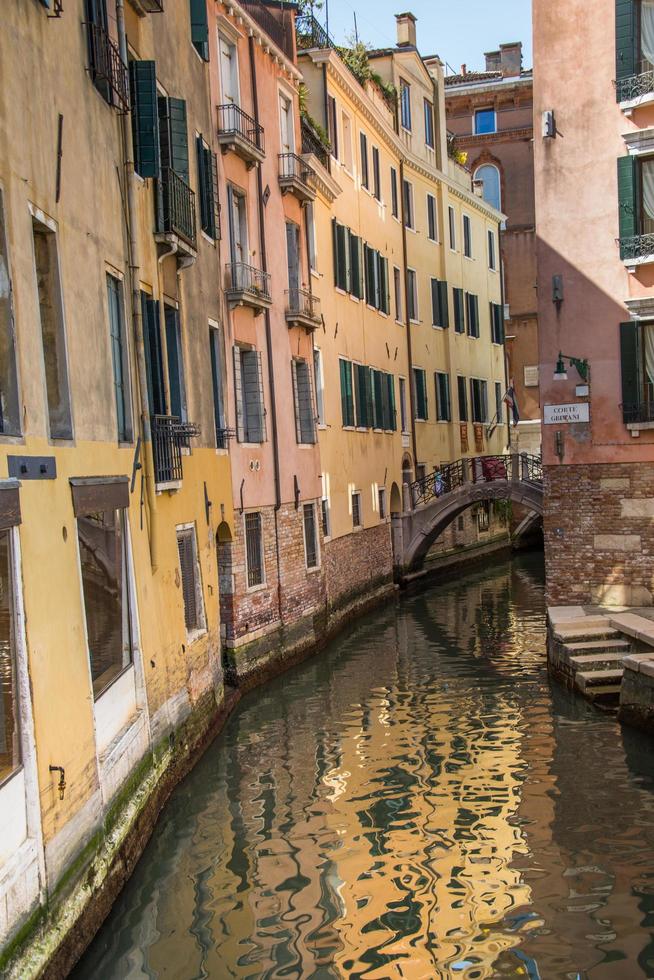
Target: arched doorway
396,499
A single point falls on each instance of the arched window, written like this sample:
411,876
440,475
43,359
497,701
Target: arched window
492,188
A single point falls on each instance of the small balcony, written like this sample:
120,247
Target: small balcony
296,177
106,68
143,7
637,250
176,212
302,309
636,88
169,436
240,133
247,286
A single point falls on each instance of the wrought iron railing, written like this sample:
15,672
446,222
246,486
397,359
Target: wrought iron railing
177,206
478,469
233,121
635,86
279,31
637,247
311,34
641,412
223,436
292,166
311,143
169,436
107,69
153,6
300,302
244,278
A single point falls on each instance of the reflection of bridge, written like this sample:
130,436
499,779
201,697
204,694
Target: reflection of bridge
432,503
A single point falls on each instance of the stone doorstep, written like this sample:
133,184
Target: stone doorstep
562,614
640,663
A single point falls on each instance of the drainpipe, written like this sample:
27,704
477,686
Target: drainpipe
408,322
137,318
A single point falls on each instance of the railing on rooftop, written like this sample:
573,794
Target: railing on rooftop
278,30
233,121
108,70
311,143
309,33
178,206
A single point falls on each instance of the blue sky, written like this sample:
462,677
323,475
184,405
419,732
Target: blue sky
457,30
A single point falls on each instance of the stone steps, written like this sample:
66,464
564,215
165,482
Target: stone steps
599,646
596,661
596,683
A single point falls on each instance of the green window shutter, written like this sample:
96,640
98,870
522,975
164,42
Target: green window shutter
200,28
384,285
627,199
362,415
356,286
347,408
335,250
173,135
153,355
630,362
379,396
444,305
145,118
340,257
390,383
626,36
208,189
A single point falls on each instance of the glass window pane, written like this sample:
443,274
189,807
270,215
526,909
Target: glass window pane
490,176
484,121
9,735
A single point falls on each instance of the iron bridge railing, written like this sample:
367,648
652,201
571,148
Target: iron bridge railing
233,121
478,469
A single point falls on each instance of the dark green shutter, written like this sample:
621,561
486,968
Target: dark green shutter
145,118
630,362
384,297
625,39
459,311
153,356
362,415
390,381
356,286
347,407
200,28
335,249
340,261
208,189
444,305
174,135
627,199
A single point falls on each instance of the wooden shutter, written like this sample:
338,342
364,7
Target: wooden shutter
364,160
145,118
447,404
340,256
215,352
173,134
627,199
390,384
92,494
363,419
238,392
444,305
347,406
153,355
188,572
463,399
459,311
296,401
631,368
435,304
625,39
200,28
356,270
303,396
384,293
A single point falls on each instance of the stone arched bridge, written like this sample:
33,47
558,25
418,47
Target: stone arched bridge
430,504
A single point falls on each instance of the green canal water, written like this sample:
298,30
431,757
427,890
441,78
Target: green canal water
417,801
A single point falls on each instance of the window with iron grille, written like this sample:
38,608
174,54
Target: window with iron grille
382,503
483,515
248,385
305,419
254,550
191,582
356,509
326,518
310,535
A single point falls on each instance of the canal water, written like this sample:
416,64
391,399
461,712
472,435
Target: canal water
417,801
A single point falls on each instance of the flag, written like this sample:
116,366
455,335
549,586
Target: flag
510,400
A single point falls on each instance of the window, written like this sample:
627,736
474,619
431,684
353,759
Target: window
9,407
52,331
286,124
479,400
332,125
356,509
443,409
381,398
421,471
637,367
405,104
208,189
228,72
429,123
305,422
310,535
238,229
363,396
432,233
319,385
420,394
376,276
492,260
440,312
365,173
381,493
459,522
403,412
491,189
346,129
153,354
119,359
348,260
10,749
394,199
310,215
347,394
497,323
459,310
397,289
356,267
472,313
407,191
293,263
462,394
452,222
200,28
636,202
483,515
326,518
376,174
467,236
248,387
254,550
485,121
216,356
498,401
189,565
145,118
176,384
412,294
106,589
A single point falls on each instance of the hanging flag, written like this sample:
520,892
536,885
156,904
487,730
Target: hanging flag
510,400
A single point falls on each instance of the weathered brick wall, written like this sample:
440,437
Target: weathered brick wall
599,534
244,610
303,590
357,563
464,532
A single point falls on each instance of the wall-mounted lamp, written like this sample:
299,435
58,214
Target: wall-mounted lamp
557,290
549,124
581,364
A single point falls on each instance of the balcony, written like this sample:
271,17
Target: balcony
107,69
636,89
176,212
169,436
312,142
302,309
311,34
296,177
637,250
247,286
240,133
143,7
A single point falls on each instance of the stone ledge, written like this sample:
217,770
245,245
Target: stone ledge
634,625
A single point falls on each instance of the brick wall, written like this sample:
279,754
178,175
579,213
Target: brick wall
464,532
357,563
599,534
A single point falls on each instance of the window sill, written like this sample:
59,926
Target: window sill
256,588
639,426
414,231
437,326
196,635
208,238
312,570
322,426
222,452
170,487
316,274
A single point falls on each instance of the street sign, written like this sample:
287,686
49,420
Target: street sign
564,414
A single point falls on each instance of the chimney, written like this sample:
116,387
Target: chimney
464,69
406,30
511,58
493,60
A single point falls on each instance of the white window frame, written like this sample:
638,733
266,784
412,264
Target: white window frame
478,111
283,95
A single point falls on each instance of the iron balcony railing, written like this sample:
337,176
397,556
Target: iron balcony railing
293,167
169,436
300,302
107,69
635,86
278,30
311,143
177,214
479,469
642,412
233,121
152,6
310,34
223,436
637,247
244,278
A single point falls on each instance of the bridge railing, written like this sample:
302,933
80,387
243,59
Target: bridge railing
478,469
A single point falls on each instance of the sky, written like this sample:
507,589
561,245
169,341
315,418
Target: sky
460,31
